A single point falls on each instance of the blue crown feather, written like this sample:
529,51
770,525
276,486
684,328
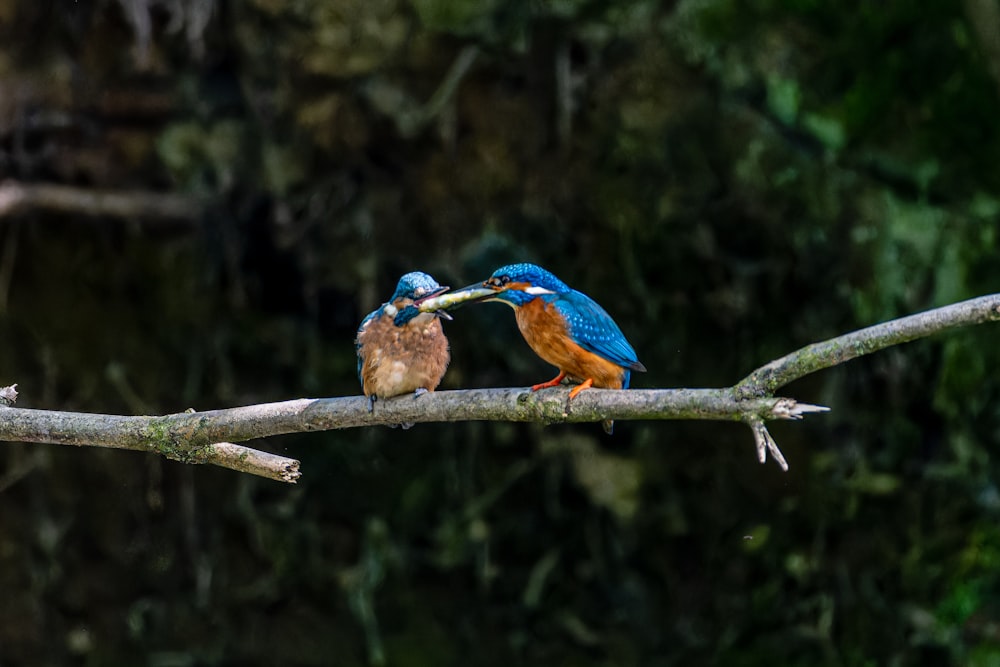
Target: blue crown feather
414,285
533,274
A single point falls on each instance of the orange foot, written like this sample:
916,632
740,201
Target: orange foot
554,382
586,384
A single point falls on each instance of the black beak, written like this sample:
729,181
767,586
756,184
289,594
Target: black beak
479,299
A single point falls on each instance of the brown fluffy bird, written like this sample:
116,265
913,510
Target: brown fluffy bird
401,350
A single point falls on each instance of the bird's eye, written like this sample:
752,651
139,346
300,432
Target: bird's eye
499,281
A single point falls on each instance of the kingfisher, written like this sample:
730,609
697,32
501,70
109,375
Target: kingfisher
566,328
400,349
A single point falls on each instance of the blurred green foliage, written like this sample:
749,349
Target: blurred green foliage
731,180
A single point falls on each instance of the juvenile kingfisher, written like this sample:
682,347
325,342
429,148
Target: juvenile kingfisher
400,349
566,328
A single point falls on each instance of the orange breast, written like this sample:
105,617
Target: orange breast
545,331
400,360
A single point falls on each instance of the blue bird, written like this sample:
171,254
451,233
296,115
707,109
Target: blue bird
566,328
401,350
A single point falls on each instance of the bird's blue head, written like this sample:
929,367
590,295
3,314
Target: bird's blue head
415,286
517,284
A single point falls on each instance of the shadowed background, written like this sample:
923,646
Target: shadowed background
730,180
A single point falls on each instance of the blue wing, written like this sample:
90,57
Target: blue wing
592,328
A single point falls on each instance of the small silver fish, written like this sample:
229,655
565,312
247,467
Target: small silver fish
452,299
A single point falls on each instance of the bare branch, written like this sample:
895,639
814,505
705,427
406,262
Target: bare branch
149,434
18,198
182,434
208,437
766,443
769,378
244,459
195,437
786,408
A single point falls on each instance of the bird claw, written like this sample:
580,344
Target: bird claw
420,391
371,403
554,382
575,391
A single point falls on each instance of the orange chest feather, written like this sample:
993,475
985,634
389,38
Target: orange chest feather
545,331
399,360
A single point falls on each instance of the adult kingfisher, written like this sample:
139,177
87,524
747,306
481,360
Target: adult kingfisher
566,328
400,349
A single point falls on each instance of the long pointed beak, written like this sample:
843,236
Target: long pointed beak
475,293
478,291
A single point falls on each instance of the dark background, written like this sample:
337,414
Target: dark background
731,180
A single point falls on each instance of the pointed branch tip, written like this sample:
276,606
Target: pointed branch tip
789,408
765,443
8,395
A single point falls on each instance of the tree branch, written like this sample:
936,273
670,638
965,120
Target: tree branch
176,437
769,378
18,198
192,437
208,437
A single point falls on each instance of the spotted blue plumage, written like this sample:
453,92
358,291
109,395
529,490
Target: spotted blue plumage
592,328
412,285
588,324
